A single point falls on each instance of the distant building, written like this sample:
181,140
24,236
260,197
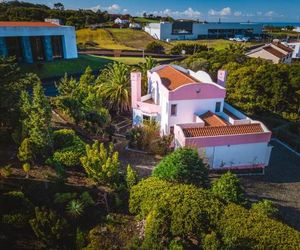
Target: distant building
191,30
295,46
37,41
296,29
276,52
121,21
136,26
192,107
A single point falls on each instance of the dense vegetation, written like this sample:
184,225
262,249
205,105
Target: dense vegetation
22,11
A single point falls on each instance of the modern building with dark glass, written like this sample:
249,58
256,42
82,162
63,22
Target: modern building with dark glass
192,30
37,41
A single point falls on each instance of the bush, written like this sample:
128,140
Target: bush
61,198
131,177
211,242
228,188
49,227
155,47
183,165
243,229
16,220
25,153
189,49
265,207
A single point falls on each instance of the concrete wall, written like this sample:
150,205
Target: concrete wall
67,33
163,30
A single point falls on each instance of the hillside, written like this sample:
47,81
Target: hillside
126,39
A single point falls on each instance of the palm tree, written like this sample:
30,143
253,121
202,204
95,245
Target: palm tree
75,208
114,87
149,63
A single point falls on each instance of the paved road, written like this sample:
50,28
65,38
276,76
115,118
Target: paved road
281,184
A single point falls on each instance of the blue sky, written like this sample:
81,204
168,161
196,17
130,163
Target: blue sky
211,10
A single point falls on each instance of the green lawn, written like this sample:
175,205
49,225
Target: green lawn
217,44
145,20
72,66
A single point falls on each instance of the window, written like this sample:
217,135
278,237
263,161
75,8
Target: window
218,107
57,47
37,48
173,109
146,118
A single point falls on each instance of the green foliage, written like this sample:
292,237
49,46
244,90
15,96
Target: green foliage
61,198
179,208
189,49
68,148
131,177
80,239
101,164
228,188
155,47
87,199
114,87
265,207
243,229
48,226
5,171
25,153
16,220
183,165
26,169
211,242
75,208
36,119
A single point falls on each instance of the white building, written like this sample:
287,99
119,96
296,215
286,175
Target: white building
121,21
295,46
189,30
37,41
276,52
191,106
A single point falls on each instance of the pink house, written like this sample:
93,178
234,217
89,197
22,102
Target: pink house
191,106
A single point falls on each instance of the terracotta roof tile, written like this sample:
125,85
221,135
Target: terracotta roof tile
274,52
223,130
27,24
212,119
172,78
283,47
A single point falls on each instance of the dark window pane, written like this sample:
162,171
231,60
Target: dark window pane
14,47
218,107
37,48
174,109
57,47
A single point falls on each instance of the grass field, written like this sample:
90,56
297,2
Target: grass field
123,39
145,20
73,66
215,43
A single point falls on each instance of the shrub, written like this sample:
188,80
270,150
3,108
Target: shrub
243,229
131,177
5,171
265,207
86,199
155,47
135,138
49,227
211,242
26,169
183,165
228,188
16,219
25,153
61,198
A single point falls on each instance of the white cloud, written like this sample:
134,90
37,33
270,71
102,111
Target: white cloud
125,10
223,12
237,13
270,13
189,13
112,8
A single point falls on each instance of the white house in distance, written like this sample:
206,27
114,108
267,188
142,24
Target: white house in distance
121,21
276,52
191,106
295,46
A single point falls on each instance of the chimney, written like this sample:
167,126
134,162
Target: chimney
136,82
222,77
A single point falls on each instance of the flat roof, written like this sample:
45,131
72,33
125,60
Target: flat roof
211,119
28,24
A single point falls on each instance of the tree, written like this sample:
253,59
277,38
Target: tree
48,226
149,64
25,153
26,169
131,177
101,164
58,6
228,188
114,87
183,165
155,47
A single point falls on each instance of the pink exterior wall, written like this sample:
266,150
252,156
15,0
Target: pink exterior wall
199,142
136,81
197,91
